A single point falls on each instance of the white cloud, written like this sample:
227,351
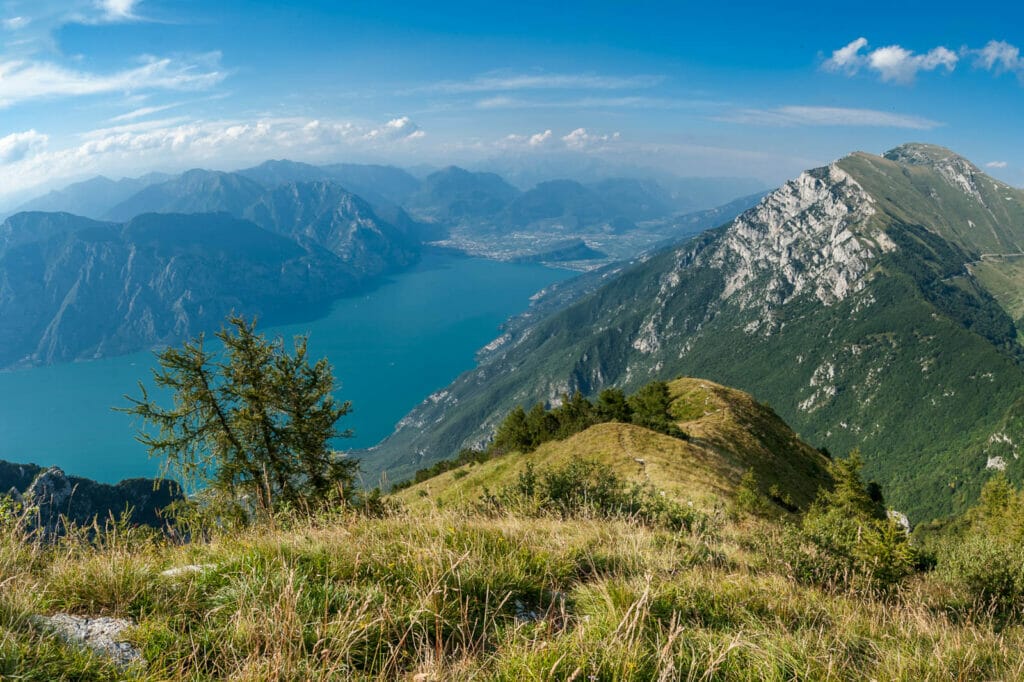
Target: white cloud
627,102
143,112
18,146
577,140
581,139
898,65
560,81
396,129
26,159
829,116
999,56
15,23
996,164
21,81
893,63
847,58
118,10
540,138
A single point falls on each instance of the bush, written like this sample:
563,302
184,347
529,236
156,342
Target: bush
987,571
846,539
584,488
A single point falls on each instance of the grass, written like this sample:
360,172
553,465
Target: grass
731,433
457,596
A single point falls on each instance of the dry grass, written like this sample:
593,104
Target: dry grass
455,596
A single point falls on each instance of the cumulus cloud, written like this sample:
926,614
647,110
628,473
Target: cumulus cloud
896,64
18,146
581,139
999,56
829,116
22,81
26,159
996,164
892,63
396,129
547,140
848,58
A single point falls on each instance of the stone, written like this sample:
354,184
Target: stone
103,636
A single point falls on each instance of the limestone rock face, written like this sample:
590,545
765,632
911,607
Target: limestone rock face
812,234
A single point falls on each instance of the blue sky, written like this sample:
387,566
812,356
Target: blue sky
122,87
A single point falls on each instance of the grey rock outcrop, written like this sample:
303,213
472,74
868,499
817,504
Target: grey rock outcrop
103,636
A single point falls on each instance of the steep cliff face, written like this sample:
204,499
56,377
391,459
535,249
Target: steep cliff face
326,215
845,298
73,288
103,289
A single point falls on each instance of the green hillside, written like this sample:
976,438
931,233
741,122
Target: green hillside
729,434
846,299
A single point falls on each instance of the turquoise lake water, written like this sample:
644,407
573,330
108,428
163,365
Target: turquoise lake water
390,348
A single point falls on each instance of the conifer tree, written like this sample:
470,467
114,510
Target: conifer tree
256,420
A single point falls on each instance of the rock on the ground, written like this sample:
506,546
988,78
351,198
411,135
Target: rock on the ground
103,636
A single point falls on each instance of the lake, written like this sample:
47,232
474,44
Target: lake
390,348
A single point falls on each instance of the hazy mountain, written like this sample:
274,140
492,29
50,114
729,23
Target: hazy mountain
454,194
565,203
377,184
92,198
195,191
272,173
325,214
864,300
92,289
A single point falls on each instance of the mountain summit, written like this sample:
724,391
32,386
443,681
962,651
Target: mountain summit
872,301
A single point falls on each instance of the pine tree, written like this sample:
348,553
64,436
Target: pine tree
256,421
612,406
514,434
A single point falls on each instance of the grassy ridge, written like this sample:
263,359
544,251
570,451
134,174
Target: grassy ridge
730,434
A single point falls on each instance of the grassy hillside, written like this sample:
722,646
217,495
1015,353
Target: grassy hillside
461,596
730,434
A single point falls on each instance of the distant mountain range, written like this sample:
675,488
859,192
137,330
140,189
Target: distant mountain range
874,302
103,267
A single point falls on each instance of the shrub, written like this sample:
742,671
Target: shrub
586,488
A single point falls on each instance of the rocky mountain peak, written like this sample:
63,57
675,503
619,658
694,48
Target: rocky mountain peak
813,234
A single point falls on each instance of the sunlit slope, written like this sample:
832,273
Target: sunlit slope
730,434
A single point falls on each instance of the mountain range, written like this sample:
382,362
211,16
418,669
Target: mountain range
873,302
161,258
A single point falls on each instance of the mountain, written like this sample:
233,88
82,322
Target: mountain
730,434
195,191
84,289
377,184
272,173
326,215
59,497
92,198
635,199
453,195
563,204
860,299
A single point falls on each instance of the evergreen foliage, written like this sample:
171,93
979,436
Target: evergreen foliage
846,537
255,421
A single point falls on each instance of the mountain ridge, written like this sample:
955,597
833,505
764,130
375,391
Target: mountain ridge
824,300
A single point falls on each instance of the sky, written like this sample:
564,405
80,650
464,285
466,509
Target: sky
125,87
